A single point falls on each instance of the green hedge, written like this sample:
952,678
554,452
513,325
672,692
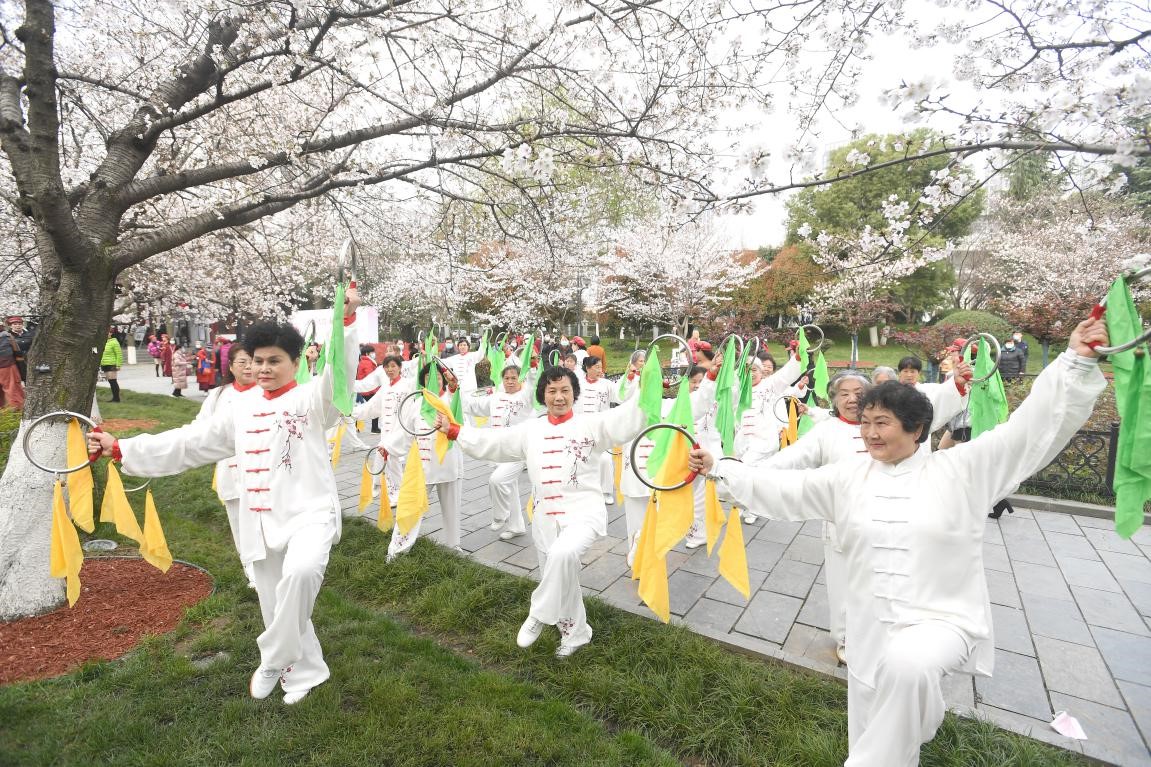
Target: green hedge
986,322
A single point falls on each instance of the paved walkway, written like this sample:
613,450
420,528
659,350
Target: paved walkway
1071,603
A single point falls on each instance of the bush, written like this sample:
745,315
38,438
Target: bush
984,322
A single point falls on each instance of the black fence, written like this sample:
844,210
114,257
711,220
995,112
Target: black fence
1085,466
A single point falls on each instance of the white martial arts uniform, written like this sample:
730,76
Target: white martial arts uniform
445,477
569,512
220,400
757,433
385,405
463,367
503,411
913,538
289,505
597,397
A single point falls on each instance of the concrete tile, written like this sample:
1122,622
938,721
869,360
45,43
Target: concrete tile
701,564
1029,549
815,611
1109,609
624,591
1057,619
1016,685
1025,725
1064,545
1055,522
778,531
1014,526
1138,700
1106,539
1083,572
1111,733
674,560
719,616
602,572
814,528
496,551
1011,631
1127,655
958,692
1093,522
806,549
722,590
1077,670
995,558
1001,588
685,589
791,577
525,557
769,616
811,643
475,541
1127,566
992,533
762,555
1044,581
1140,595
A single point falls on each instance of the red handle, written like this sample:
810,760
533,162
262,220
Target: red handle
95,456
1097,314
691,475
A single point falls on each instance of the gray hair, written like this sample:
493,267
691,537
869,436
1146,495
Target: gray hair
884,370
840,377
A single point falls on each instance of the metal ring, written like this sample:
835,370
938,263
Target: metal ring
554,358
784,398
346,261
675,379
737,337
501,339
28,434
311,334
754,349
998,351
368,465
635,444
138,487
810,345
400,416
1132,276
485,391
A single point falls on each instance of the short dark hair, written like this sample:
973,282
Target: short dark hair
422,376
366,349
909,405
709,353
233,352
768,358
696,370
509,366
910,362
392,358
553,374
268,333
595,340
590,361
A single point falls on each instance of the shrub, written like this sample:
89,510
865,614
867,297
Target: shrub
984,322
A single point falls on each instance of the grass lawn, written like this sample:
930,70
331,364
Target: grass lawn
426,672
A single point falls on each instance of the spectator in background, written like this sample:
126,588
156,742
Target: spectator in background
23,339
11,387
205,368
882,374
178,365
1012,360
595,350
154,351
111,361
693,344
167,347
364,368
1020,344
909,370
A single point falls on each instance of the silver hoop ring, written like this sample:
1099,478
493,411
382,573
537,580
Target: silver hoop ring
554,358
138,488
755,342
737,337
785,398
810,345
347,261
635,444
1138,274
487,391
55,414
310,335
368,463
400,415
993,342
674,379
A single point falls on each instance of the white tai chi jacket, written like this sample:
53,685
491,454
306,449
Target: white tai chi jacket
220,400
503,409
286,479
398,441
562,458
913,531
463,367
385,403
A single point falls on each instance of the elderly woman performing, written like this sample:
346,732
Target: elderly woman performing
911,523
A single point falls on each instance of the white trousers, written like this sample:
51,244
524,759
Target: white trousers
232,506
287,582
607,475
835,574
449,495
698,531
887,724
504,491
634,511
558,600
393,474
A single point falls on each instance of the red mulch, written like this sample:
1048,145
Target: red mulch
124,424
120,601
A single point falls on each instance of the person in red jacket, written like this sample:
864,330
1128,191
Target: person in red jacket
366,365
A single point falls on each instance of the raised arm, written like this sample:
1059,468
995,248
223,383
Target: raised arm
160,455
496,445
617,426
478,404
371,381
322,394
781,379
793,495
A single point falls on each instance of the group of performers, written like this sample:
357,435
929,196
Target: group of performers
903,525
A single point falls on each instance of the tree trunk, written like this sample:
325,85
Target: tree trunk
854,348
62,367
1046,352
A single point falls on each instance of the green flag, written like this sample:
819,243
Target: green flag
744,388
724,383
680,414
342,397
496,360
987,400
804,425
303,374
650,388
432,380
526,355
803,347
820,383
1133,400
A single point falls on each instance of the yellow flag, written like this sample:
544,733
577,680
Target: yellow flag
154,548
652,568
733,556
712,515
481,421
531,506
65,555
412,502
116,509
646,539
366,487
676,507
336,443
80,484
442,441
215,478
386,519
359,425
790,433
617,460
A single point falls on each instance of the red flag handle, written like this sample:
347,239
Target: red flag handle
95,456
691,475
1097,312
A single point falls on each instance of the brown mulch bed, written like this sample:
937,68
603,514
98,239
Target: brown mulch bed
121,600
115,425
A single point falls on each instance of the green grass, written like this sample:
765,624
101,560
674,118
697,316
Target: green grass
426,672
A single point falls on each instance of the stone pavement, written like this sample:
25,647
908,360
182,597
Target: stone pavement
1071,604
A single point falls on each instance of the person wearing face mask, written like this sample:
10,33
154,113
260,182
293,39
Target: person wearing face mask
912,525
448,349
1021,345
1012,361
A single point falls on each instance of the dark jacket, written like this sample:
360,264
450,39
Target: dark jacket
1012,362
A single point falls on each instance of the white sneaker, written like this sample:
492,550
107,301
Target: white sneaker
295,697
693,543
264,680
529,632
609,500
841,654
507,535
750,519
631,553
496,526
567,650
